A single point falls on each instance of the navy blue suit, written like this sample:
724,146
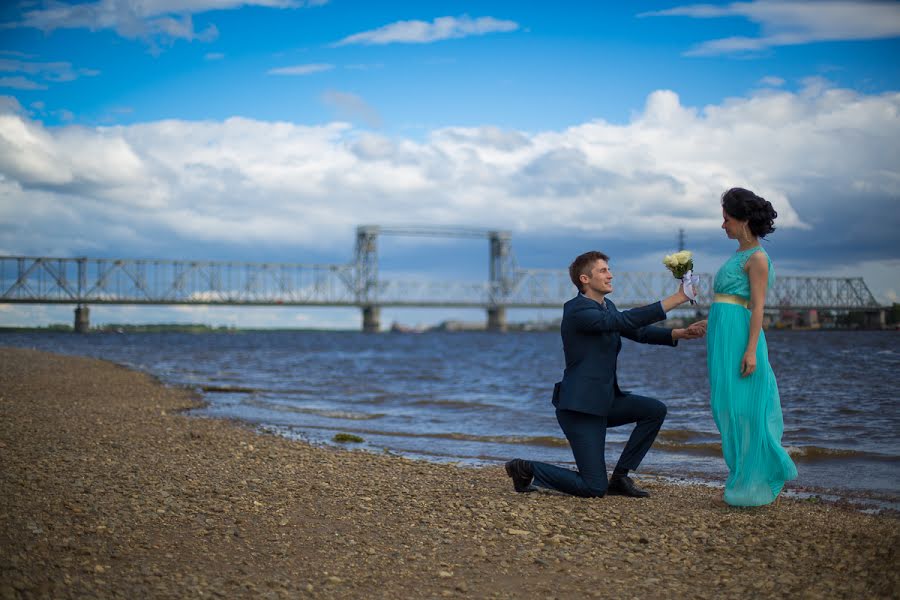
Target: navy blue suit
588,399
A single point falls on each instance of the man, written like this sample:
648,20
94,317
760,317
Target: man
588,399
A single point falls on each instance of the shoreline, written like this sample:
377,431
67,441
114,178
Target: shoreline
870,501
203,329
109,489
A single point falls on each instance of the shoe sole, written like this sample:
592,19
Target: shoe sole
528,488
615,493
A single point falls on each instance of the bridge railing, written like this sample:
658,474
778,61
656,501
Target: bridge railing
43,280
111,281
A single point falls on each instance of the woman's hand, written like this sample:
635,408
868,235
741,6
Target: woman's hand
748,364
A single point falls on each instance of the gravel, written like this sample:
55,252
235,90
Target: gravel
108,490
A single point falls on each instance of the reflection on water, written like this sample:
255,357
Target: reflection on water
486,397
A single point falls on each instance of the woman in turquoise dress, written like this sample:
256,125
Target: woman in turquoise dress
743,392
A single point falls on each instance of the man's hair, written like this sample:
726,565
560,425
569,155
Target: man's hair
583,264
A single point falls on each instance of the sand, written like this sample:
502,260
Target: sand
107,489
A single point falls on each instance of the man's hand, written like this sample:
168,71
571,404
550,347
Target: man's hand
698,326
691,332
686,334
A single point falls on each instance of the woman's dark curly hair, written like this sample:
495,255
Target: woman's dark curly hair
744,205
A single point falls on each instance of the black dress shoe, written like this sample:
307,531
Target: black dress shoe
624,486
521,474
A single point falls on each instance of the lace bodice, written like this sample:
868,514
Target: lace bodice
732,279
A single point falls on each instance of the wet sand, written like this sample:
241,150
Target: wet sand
107,490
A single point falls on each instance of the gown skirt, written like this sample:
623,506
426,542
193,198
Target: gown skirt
747,410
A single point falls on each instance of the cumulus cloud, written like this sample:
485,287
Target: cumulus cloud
151,20
423,32
825,157
794,22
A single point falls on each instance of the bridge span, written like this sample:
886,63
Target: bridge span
92,281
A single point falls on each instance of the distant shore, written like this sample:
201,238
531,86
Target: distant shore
447,326
108,490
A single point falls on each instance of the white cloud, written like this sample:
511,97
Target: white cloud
364,67
160,20
301,69
213,56
793,22
423,32
8,104
20,83
15,53
772,81
825,157
52,72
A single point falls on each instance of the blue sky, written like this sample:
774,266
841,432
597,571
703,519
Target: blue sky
268,130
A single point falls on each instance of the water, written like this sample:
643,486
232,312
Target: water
482,397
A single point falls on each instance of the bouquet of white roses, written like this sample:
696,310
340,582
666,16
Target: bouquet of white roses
681,264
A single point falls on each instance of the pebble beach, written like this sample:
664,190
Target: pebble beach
108,490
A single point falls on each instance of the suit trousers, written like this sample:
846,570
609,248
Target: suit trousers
587,437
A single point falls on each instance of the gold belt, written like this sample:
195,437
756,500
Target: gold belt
732,299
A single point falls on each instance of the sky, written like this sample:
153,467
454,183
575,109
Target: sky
269,130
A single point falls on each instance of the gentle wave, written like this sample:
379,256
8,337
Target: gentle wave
321,412
798,453
454,404
812,453
239,389
680,435
547,440
537,440
704,448
228,389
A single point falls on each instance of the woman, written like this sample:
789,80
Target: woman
744,394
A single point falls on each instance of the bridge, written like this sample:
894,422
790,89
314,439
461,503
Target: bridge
94,281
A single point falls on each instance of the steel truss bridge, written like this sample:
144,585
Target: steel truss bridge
86,281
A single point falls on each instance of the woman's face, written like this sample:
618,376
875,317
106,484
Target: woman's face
734,228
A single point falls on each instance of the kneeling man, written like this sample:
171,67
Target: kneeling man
588,399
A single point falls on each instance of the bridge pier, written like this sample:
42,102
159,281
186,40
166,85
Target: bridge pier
82,319
811,318
496,318
371,319
876,319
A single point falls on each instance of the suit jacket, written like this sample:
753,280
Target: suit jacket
591,336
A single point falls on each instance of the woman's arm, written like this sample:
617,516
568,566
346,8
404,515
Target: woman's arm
757,268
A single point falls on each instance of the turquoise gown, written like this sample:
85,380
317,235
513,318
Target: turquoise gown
747,410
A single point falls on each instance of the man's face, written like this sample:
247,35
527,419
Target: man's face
600,279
